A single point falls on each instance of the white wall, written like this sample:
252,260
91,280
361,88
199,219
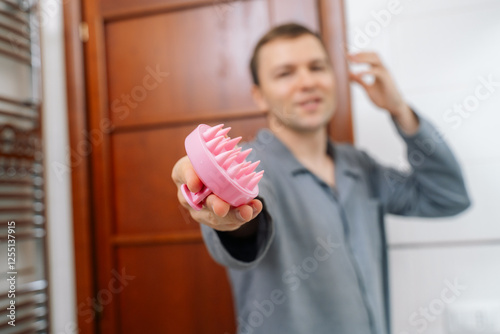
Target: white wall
438,51
59,215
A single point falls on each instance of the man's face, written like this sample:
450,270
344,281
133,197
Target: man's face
297,84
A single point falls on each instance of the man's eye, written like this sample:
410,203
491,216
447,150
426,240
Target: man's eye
318,68
283,74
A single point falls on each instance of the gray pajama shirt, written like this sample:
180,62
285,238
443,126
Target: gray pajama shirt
320,262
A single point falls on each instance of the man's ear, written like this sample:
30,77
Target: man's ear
258,98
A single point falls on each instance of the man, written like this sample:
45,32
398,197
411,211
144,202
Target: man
308,255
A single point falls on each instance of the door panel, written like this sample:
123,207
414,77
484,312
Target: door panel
205,56
113,8
304,12
138,121
177,290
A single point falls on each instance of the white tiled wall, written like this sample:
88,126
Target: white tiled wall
419,303
437,51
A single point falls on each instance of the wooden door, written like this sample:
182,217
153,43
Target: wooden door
154,70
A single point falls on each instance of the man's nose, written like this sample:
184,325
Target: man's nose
306,79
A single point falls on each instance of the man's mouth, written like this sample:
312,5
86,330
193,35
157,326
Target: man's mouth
310,104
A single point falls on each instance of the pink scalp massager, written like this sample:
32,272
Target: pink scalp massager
221,166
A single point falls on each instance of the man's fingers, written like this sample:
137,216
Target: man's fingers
192,180
374,71
248,211
228,218
183,173
366,57
218,206
358,78
241,214
256,207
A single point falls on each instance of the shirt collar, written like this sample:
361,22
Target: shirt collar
268,141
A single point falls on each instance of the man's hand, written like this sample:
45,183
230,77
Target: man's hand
383,92
215,213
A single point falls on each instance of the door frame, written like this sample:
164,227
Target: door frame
79,82
79,165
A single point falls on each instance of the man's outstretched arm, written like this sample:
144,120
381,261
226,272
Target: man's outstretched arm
235,237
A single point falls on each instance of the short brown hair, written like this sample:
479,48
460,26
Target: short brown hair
288,30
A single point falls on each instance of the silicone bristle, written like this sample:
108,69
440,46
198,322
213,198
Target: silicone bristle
245,179
223,132
251,167
242,156
212,144
242,170
234,170
253,182
223,157
210,133
229,161
220,146
236,151
232,143
233,156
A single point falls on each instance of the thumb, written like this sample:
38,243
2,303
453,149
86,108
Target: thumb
183,172
192,180
358,78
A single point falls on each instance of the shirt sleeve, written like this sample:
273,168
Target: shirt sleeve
237,253
434,186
